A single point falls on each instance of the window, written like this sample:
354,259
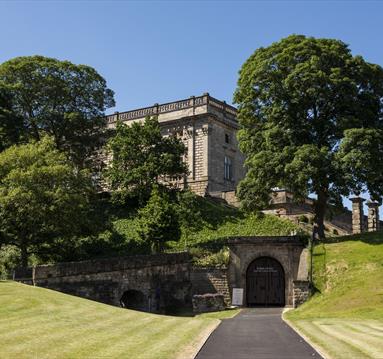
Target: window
227,138
228,169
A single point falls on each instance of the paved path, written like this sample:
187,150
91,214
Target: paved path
256,333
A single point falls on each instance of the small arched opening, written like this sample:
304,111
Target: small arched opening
133,299
265,283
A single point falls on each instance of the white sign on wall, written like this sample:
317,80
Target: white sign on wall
237,298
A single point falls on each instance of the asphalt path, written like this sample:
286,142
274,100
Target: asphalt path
256,333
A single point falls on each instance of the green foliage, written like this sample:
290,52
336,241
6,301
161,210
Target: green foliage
58,98
44,200
11,125
360,158
304,219
205,241
9,259
218,222
205,258
188,210
311,121
158,221
141,158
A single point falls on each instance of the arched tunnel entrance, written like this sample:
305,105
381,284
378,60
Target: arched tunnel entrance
133,299
265,283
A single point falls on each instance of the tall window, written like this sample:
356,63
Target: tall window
228,169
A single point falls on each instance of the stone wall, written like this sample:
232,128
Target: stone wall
301,292
203,303
162,281
210,280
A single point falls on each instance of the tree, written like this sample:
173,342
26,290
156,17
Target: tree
58,98
42,197
140,158
11,125
158,221
311,117
188,213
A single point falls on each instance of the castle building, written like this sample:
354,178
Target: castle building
208,129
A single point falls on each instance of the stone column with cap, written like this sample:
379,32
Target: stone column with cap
373,216
357,214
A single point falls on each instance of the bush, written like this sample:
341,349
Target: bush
9,259
209,259
303,219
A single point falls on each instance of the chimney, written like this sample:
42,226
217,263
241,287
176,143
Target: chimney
373,216
357,214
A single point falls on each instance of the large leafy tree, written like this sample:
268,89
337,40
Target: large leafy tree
61,99
43,198
311,117
140,158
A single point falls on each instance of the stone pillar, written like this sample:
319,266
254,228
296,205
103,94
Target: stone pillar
357,215
373,216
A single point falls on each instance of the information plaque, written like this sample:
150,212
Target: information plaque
237,298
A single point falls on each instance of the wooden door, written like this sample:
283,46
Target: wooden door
265,283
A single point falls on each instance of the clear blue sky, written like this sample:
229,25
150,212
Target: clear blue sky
159,51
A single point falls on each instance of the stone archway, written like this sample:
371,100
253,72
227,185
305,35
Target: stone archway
133,299
265,282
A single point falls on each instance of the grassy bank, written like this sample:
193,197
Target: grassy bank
40,323
218,221
345,315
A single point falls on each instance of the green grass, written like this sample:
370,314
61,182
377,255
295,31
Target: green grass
219,221
40,323
345,316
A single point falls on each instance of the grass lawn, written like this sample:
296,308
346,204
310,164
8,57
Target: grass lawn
345,317
40,323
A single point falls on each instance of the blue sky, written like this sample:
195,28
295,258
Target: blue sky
160,51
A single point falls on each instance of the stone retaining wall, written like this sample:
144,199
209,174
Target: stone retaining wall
161,280
210,280
301,292
203,303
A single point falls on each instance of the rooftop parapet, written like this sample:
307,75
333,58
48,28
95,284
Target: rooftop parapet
210,104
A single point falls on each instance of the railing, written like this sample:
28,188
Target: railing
157,109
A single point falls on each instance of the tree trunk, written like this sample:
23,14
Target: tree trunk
320,211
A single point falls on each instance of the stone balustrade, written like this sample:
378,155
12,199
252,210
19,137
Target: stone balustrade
158,109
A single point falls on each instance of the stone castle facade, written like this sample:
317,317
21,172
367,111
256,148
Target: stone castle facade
208,129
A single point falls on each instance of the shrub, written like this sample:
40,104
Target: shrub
302,218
